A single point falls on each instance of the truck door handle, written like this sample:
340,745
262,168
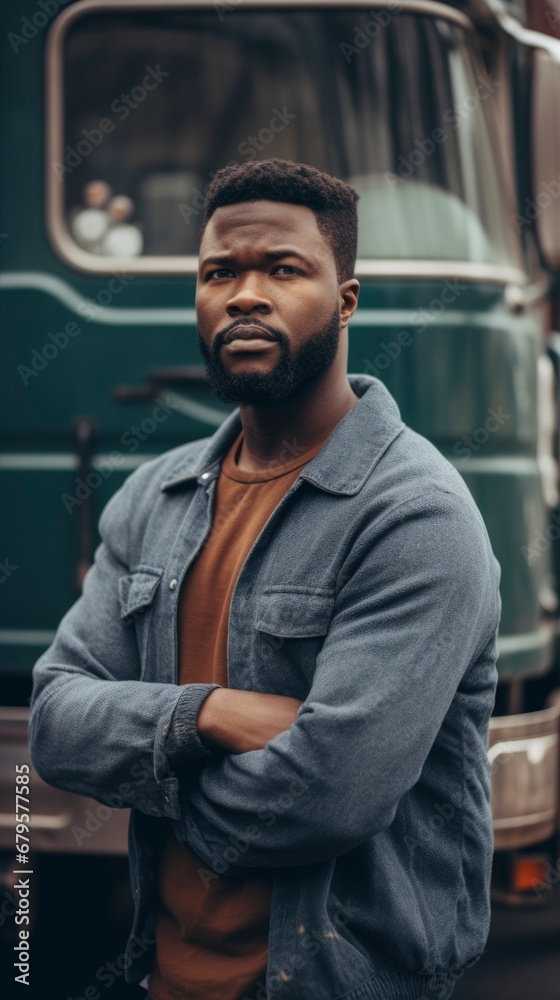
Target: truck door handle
186,377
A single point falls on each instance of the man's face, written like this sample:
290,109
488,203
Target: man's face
268,304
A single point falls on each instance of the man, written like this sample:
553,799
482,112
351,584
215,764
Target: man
284,657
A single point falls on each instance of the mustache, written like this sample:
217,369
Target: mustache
219,338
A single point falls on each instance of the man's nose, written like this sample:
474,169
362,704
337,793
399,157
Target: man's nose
249,297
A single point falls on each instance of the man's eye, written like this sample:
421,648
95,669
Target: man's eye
289,268
220,272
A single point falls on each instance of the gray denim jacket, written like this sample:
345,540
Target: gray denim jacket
371,594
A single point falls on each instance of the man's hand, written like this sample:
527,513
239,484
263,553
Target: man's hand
238,720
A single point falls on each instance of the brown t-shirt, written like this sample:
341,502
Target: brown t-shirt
212,936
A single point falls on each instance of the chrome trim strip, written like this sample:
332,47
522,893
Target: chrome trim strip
525,36
187,266
501,274
26,637
190,408
81,9
62,461
41,821
526,820
502,465
106,315
521,745
539,718
525,642
24,462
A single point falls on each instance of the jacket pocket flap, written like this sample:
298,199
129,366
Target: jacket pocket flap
136,591
294,614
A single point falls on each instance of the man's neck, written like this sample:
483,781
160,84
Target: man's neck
283,432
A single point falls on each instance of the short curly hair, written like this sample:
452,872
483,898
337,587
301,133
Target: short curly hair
332,201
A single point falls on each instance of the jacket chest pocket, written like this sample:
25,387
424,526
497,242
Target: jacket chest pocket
137,592
290,626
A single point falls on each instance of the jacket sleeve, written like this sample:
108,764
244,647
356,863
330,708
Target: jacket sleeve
95,727
418,601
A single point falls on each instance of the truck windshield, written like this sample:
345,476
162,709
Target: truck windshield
394,103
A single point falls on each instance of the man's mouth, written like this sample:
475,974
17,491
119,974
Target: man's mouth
248,339
248,332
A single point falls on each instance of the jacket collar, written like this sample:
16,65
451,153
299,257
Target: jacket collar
341,466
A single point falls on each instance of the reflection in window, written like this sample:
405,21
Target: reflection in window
103,224
156,102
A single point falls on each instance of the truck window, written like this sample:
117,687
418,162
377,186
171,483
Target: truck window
154,102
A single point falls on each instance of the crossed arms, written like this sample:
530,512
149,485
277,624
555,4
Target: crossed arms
239,721
418,604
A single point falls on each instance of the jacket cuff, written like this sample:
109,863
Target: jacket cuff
183,745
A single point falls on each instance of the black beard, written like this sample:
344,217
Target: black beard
293,370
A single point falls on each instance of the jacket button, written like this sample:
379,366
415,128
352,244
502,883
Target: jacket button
167,798
173,584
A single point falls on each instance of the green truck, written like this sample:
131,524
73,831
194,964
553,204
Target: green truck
446,120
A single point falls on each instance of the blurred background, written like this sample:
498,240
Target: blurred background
446,120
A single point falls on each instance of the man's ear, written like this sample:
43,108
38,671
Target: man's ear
348,297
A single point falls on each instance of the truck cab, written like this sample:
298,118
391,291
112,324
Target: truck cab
444,118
